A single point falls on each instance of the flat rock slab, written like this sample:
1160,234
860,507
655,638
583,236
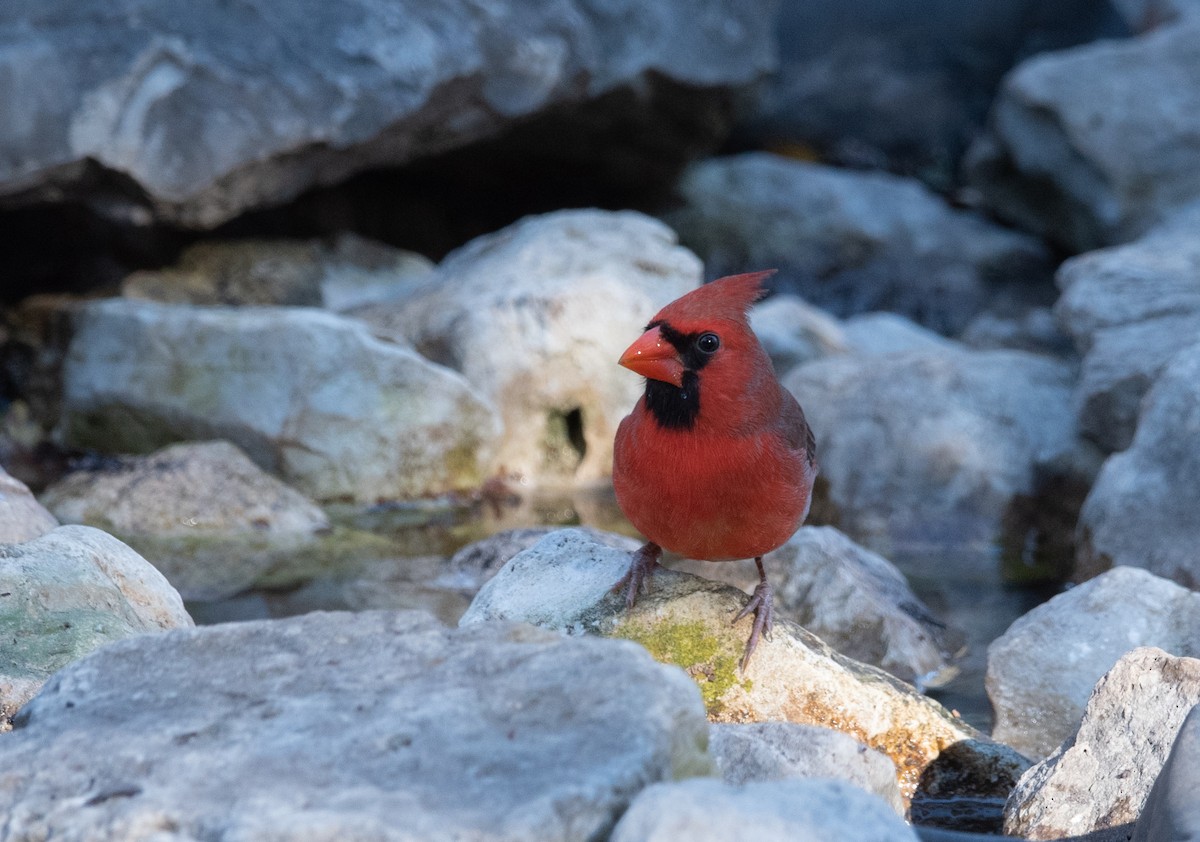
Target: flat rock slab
348,726
565,582
197,115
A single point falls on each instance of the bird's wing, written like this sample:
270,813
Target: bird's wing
795,429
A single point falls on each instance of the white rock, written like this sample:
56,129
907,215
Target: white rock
1042,670
535,316
793,331
774,811
309,396
1102,775
22,517
891,333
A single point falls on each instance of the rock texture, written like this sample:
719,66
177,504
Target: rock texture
309,396
775,811
1130,309
66,593
565,582
1094,145
203,513
933,447
1172,811
771,751
1100,777
535,317
22,517
158,110
1158,478
849,241
793,331
349,726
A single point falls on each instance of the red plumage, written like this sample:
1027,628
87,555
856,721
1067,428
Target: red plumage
716,461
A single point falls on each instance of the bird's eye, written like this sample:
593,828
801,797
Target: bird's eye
708,343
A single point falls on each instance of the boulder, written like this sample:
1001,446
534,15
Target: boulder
1094,145
565,582
1145,504
349,726
1042,670
205,515
67,593
770,751
152,110
22,517
1172,813
850,241
933,447
1130,309
890,333
1101,776
793,331
535,316
348,272
771,811
309,396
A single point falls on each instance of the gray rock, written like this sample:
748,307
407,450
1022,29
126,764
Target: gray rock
66,593
22,517
1101,776
933,447
1095,145
771,751
772,811
208,115
349,726
205,515
793,331
891,333
1025,329
905,86
309,396
849,241
535,316
1172,813
1145,504
1042,670
860,604
347,273
565,582
1130,309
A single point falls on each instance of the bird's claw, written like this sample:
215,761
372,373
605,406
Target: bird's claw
641,571
762,605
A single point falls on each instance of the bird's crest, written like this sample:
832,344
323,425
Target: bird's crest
728,298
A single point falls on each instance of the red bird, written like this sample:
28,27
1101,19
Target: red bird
716,462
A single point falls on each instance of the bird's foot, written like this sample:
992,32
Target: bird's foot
641,571
762,605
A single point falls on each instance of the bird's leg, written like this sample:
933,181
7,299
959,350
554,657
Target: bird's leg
641,570
763,607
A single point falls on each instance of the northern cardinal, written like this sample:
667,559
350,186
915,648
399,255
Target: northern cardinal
716,461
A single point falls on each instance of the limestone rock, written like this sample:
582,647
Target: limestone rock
1130,310
22,517
773,811
1042,670
933,447
203,513
1094,145
1145,504
309,396
154,109
349,726
770,751
535,316
849,241
66,593
1172,813
565,582
891,333
793,331
1101,776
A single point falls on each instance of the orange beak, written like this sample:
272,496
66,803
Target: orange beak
654,357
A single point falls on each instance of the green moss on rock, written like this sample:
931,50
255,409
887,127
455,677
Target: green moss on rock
711,660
